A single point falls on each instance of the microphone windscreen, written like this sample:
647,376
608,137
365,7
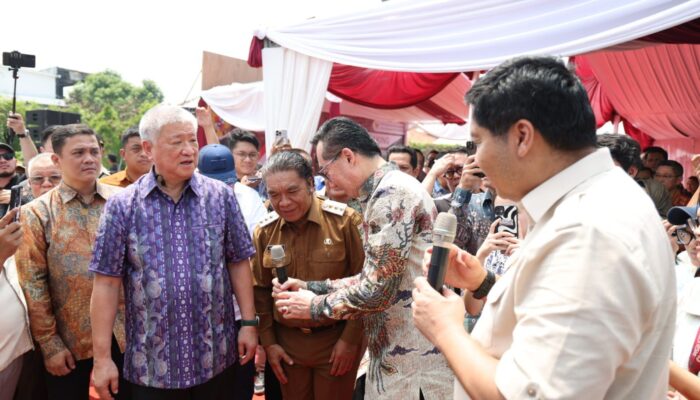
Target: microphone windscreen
445,224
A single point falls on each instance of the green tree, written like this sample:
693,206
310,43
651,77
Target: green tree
105,102
110,105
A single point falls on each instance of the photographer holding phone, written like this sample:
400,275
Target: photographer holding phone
8,175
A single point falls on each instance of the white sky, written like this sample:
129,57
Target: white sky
149,39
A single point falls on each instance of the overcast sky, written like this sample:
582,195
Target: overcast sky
145,39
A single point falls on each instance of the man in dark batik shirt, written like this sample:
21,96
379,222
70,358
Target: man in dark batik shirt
179,244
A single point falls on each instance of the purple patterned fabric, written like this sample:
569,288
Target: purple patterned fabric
173,256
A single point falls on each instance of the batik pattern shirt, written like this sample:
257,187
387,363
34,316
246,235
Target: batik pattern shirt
398,223
475,214
52,265
173,258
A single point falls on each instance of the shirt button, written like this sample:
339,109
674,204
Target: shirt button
531,390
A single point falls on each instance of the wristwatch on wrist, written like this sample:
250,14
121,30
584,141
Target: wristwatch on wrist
22,135
485,286
251,322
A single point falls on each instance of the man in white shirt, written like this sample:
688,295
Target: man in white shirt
586,307
15,338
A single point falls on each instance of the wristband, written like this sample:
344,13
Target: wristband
250,322
485,286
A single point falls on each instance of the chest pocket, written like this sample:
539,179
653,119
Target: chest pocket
329,261
210,242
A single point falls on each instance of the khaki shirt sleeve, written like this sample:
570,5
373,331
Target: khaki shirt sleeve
262,290
353,331
33,273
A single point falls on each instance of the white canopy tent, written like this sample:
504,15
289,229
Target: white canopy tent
442,36
243,105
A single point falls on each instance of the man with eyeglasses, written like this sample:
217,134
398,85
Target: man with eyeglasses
246,151
8,175
449,167
670,174
44,175
398,216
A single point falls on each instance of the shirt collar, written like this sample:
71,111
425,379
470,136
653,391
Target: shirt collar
67,193
373,181
150,182
540,199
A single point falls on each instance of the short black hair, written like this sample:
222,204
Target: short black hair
538,89
46,134
405,150
128,134
112,158
341,132
62,133
289,161
695,178
674,165
241,135
657,150
623,149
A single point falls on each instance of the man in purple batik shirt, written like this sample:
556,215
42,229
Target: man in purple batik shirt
179,244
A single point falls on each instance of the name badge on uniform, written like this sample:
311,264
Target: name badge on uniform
327,241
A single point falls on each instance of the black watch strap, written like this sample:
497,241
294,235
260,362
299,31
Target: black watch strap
485,286
251,322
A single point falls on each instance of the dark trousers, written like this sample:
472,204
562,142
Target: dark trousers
244,376
76,385
272,384
220,387
32,380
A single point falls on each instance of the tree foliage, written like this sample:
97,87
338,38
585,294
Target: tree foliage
105,102
110,105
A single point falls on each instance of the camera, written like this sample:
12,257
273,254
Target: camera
16,60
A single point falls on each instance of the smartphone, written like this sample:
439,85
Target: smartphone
281,138
15,200
509,219
472,158
254,179
471,147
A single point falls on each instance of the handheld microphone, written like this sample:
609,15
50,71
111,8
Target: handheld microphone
444,232
277,253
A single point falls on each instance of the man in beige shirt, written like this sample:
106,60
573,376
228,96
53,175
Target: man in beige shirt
585,309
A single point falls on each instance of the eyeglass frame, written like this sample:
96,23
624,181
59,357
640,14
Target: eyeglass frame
688,234
251,156
51,179
452,172
323,171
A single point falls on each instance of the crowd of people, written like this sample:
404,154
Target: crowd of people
573,274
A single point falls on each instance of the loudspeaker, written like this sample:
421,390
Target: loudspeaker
38,120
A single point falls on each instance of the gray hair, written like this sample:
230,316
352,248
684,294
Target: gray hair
288,161
39,158
161,115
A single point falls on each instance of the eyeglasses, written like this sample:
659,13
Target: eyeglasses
665,176
685,233
323,172
252,156
452,173
39,180
7,156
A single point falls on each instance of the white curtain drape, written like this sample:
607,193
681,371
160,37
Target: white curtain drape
239,104
295,87
459,35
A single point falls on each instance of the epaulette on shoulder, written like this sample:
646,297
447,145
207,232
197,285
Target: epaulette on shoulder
271,217
334,207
